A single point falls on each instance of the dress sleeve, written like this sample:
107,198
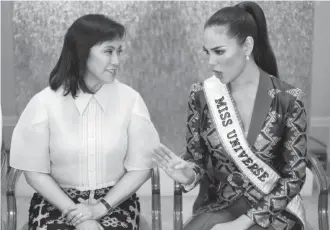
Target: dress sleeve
195,150
29,149
142,138
292,171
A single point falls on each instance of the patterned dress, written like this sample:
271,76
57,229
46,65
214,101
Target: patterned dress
43,215
277,136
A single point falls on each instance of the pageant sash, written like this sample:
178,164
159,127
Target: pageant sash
233,139
231,135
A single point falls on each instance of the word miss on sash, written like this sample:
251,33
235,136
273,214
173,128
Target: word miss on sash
225,116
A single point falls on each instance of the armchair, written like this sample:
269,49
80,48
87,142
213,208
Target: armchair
312,163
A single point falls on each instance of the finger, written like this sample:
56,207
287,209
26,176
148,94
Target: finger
170,166
77,222
162,166
76,218
70,215
167,151
181,165
162,156
159,159
81,219
167,166
68,210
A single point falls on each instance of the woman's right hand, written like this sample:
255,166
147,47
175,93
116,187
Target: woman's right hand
175,167
89,225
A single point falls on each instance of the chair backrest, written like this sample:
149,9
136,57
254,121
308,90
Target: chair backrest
3,189
314,164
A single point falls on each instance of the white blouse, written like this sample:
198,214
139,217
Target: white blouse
88,142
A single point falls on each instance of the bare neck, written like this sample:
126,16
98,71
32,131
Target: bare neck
249,77
93,84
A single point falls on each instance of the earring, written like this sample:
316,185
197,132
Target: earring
247,57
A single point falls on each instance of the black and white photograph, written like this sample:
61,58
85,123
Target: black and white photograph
165,115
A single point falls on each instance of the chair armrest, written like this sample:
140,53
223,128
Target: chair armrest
156,202
12,178
177,212
314,164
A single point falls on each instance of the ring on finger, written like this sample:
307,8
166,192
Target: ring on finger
77,222
77,219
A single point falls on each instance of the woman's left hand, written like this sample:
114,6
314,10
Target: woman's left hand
82,212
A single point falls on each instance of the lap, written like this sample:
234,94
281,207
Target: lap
206,221
43,215
257,227
126,216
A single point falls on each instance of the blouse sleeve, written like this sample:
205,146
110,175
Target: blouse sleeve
30,140
142,138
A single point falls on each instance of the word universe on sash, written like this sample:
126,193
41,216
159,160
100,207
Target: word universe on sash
225,117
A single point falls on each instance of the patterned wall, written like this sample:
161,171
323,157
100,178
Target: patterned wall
163,54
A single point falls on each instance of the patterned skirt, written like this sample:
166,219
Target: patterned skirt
43,215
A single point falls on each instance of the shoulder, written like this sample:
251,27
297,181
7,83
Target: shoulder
196,95
196,89
132,99
43,97
46,99
287,95
127,91
36,110
286,90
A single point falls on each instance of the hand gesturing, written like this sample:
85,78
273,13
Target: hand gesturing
175,167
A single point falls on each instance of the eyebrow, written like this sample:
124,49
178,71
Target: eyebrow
214,48
112,47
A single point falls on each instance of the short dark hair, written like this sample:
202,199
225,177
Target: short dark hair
83,34
248,19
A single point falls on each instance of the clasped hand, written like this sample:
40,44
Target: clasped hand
83,212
